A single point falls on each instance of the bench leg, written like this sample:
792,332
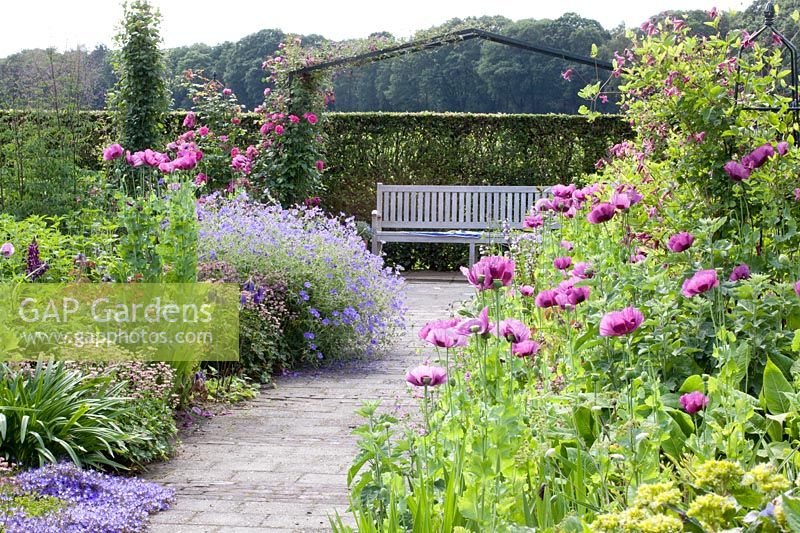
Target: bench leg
376,246
471,253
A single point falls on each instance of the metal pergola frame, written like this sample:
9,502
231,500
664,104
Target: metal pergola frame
452,38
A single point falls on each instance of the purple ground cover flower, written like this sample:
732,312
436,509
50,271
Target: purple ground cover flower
96,502
619,323
699,283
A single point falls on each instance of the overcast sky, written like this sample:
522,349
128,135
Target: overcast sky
68,23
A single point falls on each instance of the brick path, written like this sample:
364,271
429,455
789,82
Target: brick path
279,463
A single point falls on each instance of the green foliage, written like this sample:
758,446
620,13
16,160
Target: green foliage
153,422
30,505
140,99
231,389
52,413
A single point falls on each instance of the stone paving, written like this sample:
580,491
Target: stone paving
279,463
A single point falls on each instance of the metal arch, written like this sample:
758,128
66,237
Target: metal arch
769,24
450,38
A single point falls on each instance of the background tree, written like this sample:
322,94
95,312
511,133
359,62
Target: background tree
141,98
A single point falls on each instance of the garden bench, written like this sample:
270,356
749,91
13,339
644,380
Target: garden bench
449,214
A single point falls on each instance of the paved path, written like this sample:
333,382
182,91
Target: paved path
279,463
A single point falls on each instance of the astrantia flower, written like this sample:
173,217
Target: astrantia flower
600,213
619,323
513,330
740,272
680,242
112,151
736,171
491,272
694,402
426,375
699,283
562,263
7,250
525,348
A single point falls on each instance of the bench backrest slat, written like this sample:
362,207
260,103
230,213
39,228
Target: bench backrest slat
455,207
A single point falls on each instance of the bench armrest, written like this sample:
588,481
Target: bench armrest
376,220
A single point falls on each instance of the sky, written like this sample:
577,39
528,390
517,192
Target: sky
65,24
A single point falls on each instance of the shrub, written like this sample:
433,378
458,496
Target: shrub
51,413
344,301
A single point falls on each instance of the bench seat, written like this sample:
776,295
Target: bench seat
449,214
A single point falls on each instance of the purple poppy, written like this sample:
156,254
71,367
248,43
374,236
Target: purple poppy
563,191
562,263
600,213
426,376
694,402
782,148
700,282
569,295
525,348
740,272
582,270
758,157
619,323
477,326
543,204
797,288
736,171
547,298
621,200
443,333
513,330
7,250
680,242
525,290
490,272
112,151
533,221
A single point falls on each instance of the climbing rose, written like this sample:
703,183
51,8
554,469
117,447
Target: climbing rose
619,323
203,131
740,272
680,242
7,250
112,151
562,263
491,272
736,171
525,348
188,122
227,92
278,130
311,118
475,326
426,376
567,74
602,212
694,402
294,119
701,282
513,330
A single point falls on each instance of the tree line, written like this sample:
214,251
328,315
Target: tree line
471,76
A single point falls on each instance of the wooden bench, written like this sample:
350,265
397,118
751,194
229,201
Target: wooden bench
449,214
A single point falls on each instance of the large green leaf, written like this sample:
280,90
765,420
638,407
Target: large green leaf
775,388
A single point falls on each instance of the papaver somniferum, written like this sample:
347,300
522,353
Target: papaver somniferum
426,376
491,272
740,272
680,242
532,221
783,148
600,213
701,282
443,333
478,326
562,263
547,298
112,151
797,288
7,250
619,323
694,402
758,157
526,348
736,171
513,330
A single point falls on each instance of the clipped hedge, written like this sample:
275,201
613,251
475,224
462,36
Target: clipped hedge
362,150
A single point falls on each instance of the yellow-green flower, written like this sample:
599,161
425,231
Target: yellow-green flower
606,523
765,479
710,510
719,476
661,523
656,496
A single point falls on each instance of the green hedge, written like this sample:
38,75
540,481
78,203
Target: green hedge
362,150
